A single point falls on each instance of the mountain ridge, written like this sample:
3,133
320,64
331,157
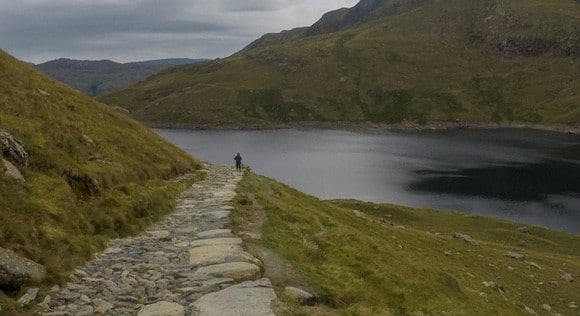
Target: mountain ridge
95,77
385,61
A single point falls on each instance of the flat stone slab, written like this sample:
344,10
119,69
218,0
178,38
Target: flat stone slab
162,309
208,255
216,233
224,194
216,241
249,298
234,270
217,214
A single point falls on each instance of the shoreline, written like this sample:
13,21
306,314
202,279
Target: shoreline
431,126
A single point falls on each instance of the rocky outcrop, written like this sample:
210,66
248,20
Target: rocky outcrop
364,11
16,270
13,149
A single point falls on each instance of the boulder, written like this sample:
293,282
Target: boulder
303,297
15,270
13,149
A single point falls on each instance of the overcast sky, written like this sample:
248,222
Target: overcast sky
132,30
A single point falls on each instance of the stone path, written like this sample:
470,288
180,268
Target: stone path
187,264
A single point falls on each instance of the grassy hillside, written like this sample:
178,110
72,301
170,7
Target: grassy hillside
96,77
391,260
94,174
386,61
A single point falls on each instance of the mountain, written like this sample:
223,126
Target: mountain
95,77
385,61
74,173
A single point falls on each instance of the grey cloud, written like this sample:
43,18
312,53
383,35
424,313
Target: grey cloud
127,30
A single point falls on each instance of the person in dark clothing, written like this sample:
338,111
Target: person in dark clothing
238,160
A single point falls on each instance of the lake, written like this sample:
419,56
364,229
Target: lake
527,176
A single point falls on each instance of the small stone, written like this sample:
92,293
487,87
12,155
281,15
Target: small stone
483,296
493,285
160,260
162,284
85,299
523,230
102,306
54,289
162,309
84,311
448,253
568,277
28,297
530,311
535,265
303,297
547,307
514,255
573,305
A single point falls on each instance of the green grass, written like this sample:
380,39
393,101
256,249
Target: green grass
94,174
398,266
438,62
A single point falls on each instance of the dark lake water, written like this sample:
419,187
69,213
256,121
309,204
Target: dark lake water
527,176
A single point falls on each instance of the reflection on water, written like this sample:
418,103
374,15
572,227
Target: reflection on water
510,182
522,175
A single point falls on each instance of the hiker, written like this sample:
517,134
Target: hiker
238,160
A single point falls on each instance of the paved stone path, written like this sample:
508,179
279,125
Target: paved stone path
187,264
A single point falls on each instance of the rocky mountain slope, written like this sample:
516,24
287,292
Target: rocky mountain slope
95,77
386,61
74,173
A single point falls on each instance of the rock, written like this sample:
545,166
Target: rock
234,270
102,306
12,172
120,109
13,149
160,260
530,311
535,265
28,297
15,270
547,307
568,277
448,253
493,285
245,299
162,309
573,305
45,305
303,297
523,230
514,255
207,255
216,241
465,238
216,233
